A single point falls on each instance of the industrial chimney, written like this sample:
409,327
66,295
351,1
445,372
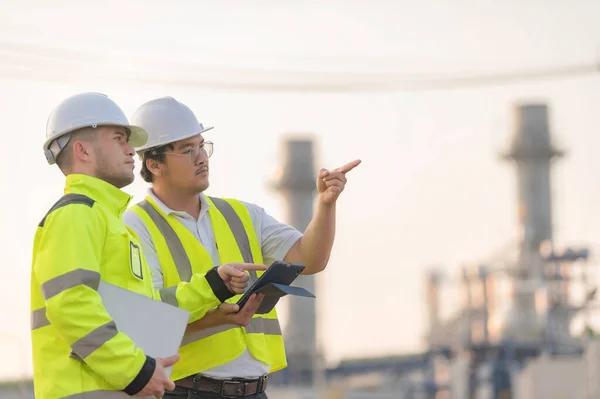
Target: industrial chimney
296,182
532,152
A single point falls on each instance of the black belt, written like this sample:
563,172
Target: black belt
232,388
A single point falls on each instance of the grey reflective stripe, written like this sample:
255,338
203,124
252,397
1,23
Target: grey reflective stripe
70,279
94,340
182,262
257,325
67,200
236,226
239,232
262,325
194,336
39,319
168,295
98,395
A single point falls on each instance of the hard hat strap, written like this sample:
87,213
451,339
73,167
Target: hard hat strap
57,146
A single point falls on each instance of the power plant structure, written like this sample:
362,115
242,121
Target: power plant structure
533,153
517,307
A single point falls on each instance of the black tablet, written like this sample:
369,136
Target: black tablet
279,272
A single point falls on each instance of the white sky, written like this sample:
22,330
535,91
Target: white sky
430,189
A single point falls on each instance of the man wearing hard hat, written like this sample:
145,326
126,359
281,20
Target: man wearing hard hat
183,231
78,351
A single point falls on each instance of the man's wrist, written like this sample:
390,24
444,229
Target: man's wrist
322,204
216,283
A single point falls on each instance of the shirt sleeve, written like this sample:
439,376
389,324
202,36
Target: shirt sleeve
68,269
276,238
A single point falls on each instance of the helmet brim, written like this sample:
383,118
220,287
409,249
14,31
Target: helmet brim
142,148
138,136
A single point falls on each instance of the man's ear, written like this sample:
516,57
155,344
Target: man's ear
154,167
82,150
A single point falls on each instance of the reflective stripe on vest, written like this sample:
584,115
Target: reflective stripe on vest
257,325
100,394
39,319
236,226
184,267
182,262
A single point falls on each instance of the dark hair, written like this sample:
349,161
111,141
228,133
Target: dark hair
157,154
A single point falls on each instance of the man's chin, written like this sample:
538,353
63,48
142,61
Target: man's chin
202,187
126,180
118,181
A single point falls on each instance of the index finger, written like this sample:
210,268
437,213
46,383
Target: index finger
349,166
249,266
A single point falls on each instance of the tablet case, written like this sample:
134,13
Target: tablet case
273,292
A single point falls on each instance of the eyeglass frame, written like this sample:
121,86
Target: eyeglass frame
200,147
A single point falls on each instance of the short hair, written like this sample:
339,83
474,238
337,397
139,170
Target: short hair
65,157
156,154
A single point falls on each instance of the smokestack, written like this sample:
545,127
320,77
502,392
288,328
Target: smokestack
533,152
297,184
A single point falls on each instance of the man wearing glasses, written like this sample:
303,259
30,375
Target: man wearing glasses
228,352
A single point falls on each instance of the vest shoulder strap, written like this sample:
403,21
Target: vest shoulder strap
68,199
236,226
182,261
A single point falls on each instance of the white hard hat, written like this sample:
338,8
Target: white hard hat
166,120
83,110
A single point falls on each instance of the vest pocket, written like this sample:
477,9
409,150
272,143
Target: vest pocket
122,259
135,260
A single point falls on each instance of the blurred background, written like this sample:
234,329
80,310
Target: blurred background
465,262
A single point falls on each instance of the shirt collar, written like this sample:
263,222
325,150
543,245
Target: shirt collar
99,190
204,205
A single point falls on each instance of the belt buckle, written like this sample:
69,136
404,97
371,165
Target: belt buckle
261,383
238,391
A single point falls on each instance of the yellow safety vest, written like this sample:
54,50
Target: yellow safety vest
77,348
181,255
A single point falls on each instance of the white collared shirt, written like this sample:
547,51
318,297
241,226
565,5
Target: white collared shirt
275,240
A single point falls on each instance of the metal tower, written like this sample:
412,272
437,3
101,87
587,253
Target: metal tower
297,185
532,152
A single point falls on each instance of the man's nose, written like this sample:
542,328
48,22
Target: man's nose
201,158
129,150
